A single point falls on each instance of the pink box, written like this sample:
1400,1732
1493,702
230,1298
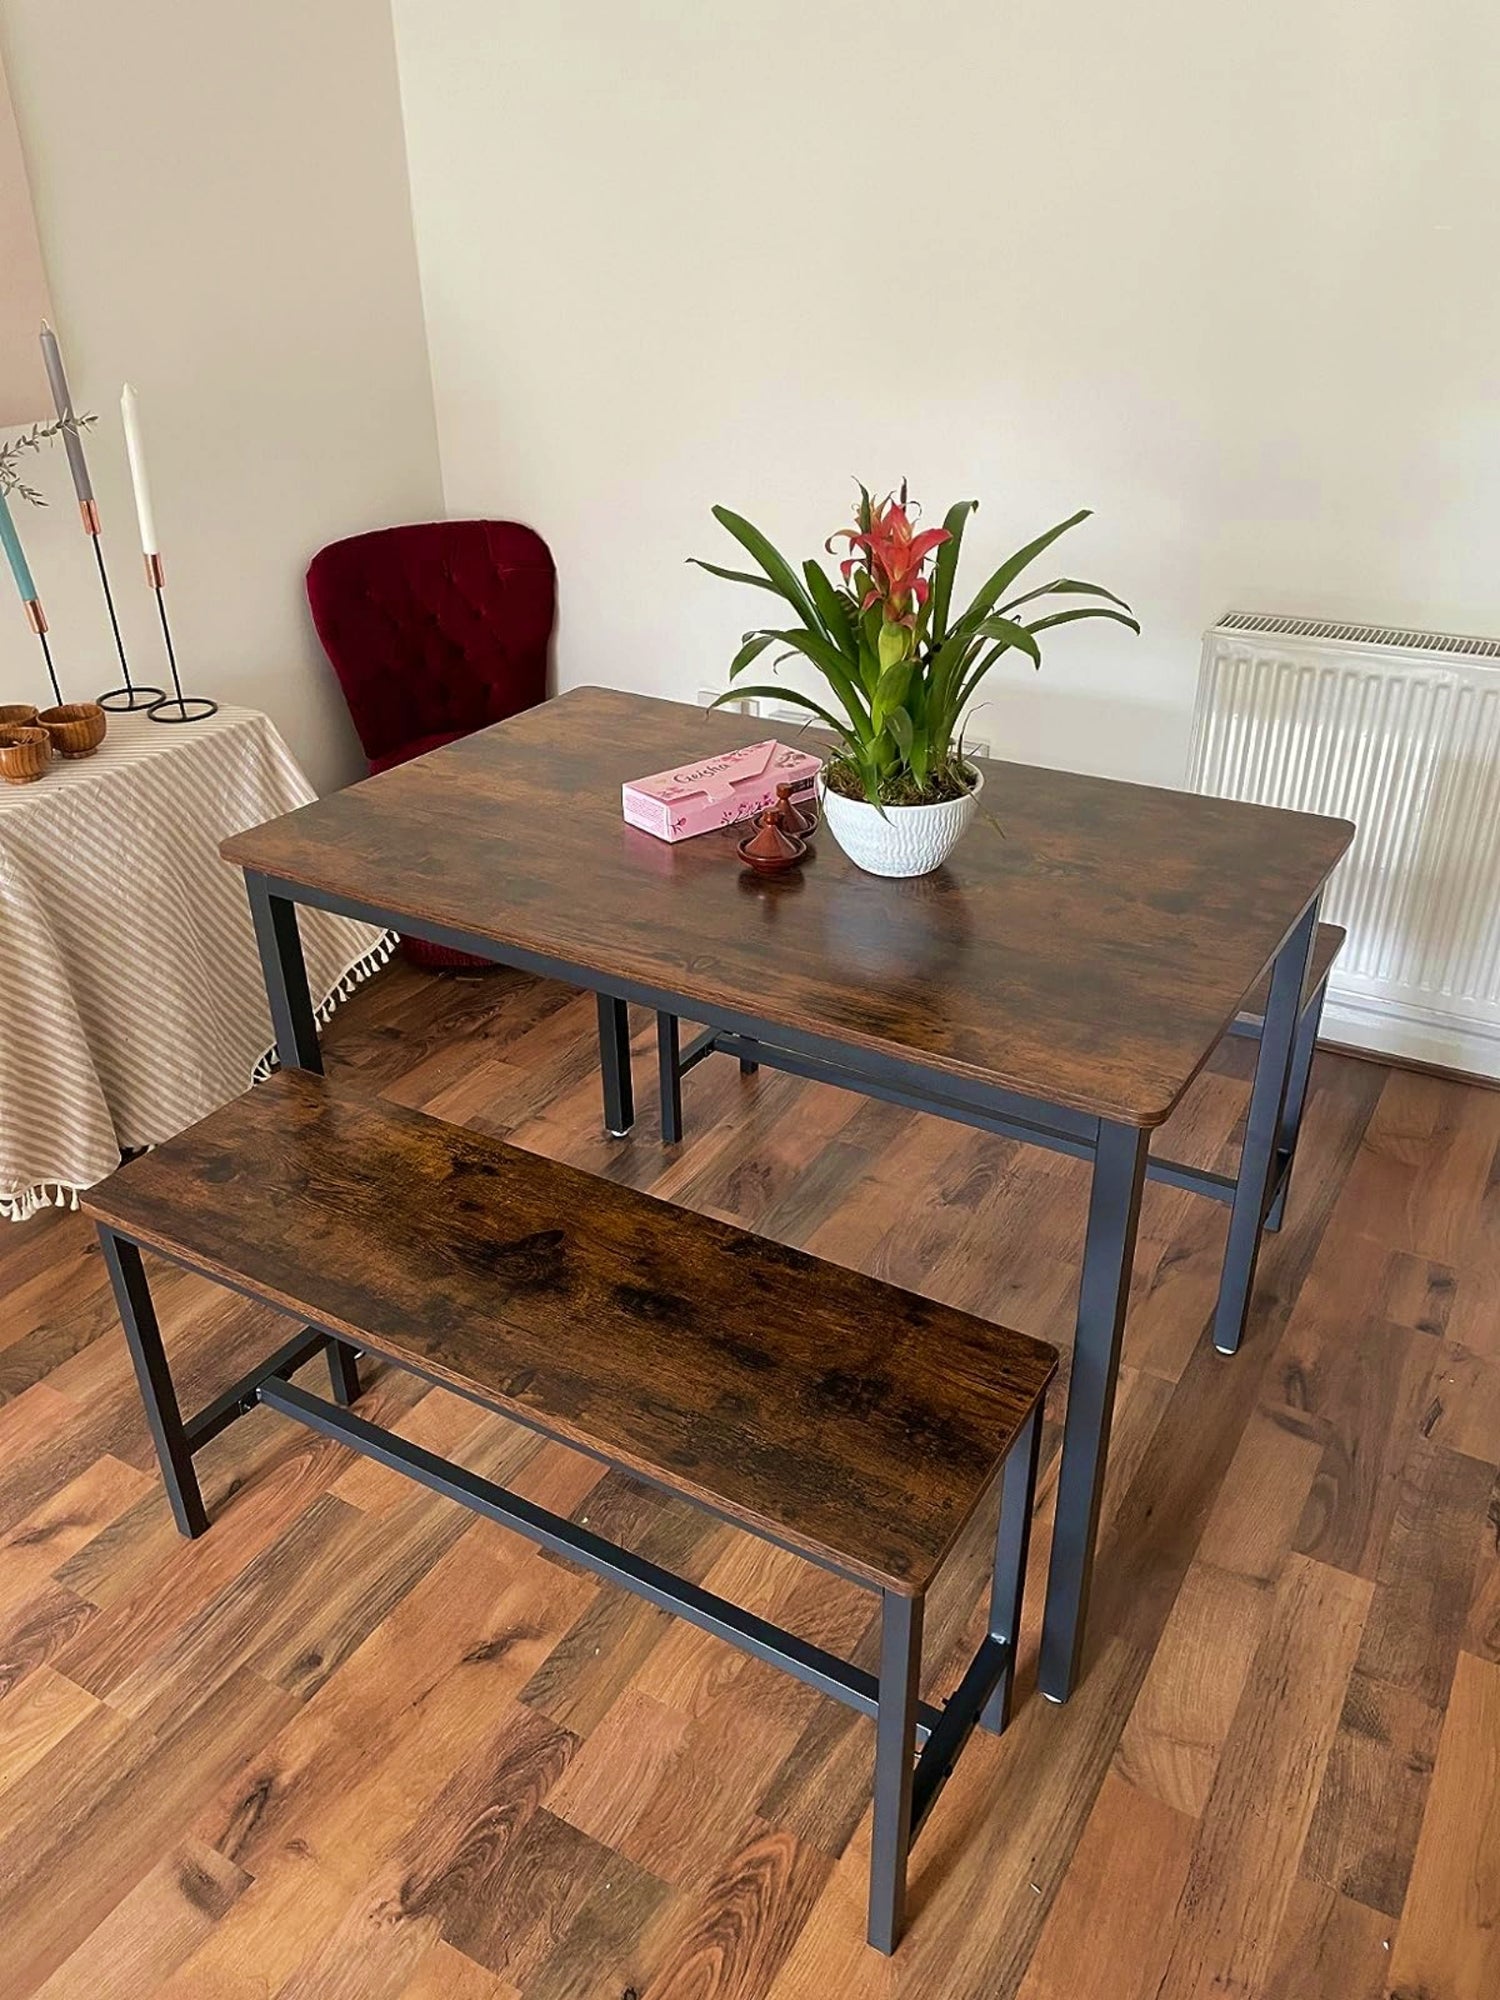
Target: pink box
718,791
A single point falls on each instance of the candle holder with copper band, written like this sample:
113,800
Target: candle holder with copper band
175,707
36,618
128,698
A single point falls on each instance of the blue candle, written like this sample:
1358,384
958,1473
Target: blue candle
16,555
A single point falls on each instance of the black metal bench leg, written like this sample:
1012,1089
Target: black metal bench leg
343,1372
1296,1100
895,1754
614,1066
669,1078
1012,1544
1260,1153
143,1337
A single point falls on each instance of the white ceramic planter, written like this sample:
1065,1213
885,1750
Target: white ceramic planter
902,840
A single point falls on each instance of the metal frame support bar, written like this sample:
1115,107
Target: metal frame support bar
747,1028
670,1066
122,1259
614,1066
895,1776
808,1663
1012,1546
1171,1173
961,1716
1267,1134
1303,1051
294,1022
239,1398
1108,1255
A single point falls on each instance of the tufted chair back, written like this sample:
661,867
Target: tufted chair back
434,630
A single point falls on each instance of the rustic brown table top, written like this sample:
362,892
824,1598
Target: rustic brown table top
1088,950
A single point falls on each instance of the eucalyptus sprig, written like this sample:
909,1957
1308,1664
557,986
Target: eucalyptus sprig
32,440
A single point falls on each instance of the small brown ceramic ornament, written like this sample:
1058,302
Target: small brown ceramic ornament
797,820
770,851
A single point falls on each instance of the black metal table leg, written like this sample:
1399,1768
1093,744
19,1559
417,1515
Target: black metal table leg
614,1066
1296,1102
343,1372
1012,1544
1108,1253
143,1337
669,1078
748,1065
294,1022
1263,1130
895,1753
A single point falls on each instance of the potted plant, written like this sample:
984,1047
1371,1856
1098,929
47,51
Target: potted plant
902,667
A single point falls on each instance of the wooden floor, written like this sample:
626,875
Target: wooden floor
353,1743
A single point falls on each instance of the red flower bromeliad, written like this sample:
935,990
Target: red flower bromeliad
891,552
900,660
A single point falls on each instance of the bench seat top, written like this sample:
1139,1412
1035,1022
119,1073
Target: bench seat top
859,1423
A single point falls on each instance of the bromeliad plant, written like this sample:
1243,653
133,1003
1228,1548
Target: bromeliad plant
902,666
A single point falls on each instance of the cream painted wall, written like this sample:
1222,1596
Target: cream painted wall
222,199
1226,274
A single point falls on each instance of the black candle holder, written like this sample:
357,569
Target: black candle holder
175,707
36,618
129,698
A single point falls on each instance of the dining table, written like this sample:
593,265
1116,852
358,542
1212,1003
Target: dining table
1062,978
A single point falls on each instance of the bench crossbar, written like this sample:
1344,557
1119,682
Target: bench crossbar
808,1663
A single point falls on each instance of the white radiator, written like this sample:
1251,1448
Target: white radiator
1399,732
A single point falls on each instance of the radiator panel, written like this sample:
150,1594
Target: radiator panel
1401,734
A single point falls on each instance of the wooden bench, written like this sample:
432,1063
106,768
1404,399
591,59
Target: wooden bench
854,1423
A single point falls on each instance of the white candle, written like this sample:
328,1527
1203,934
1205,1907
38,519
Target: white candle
130,415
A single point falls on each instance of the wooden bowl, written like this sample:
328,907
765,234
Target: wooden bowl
77,728
24,754
17,714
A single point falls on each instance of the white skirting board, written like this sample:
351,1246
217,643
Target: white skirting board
1399,732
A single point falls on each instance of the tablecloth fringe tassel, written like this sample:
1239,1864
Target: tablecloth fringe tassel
357,974
46,1194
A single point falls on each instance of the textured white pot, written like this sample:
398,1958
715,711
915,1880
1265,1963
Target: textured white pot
902,840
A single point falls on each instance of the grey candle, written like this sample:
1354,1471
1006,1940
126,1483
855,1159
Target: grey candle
72,442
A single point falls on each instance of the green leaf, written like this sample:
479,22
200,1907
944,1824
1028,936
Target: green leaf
892,646
1009,633
898,722
832,608
799,700
834,669
890,693
1066,586
1009,570
1086,611
738,576
755,644
945,569
772,561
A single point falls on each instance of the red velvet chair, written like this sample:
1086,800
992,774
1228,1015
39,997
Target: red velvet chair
434,630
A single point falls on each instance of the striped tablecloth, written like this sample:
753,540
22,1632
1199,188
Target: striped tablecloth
131,1001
